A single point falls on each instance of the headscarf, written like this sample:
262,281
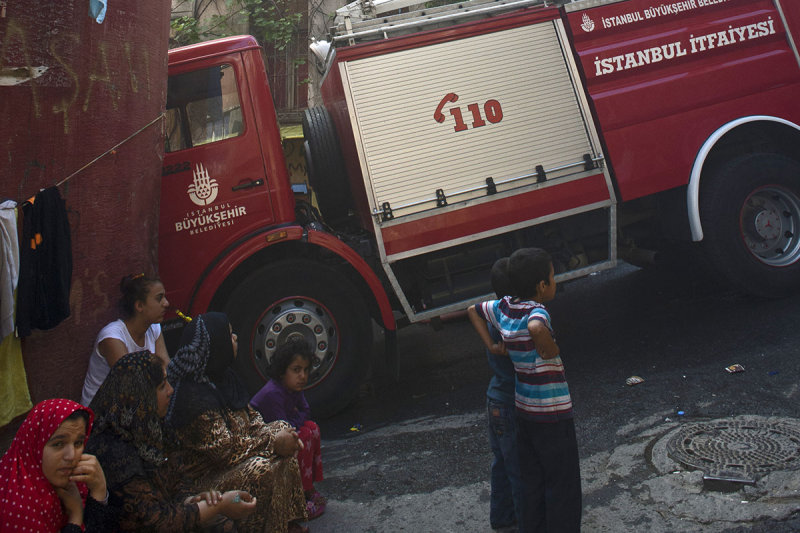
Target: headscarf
201,371
128,438
28,502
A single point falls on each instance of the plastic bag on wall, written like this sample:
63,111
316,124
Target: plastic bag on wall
97,10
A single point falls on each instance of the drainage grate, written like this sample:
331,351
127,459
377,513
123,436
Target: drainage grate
737,449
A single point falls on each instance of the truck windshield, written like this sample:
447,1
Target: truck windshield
202,107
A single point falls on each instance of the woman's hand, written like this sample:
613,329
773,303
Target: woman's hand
211,497
73,505
287,443
90,472
236,504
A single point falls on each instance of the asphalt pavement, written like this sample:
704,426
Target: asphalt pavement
691,448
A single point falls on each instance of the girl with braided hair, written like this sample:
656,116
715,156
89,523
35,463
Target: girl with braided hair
142,304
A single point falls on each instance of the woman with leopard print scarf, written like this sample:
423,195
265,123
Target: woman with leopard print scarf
221,442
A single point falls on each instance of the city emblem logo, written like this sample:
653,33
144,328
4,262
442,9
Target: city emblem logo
588,24
203,189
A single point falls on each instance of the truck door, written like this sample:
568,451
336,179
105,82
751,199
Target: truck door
465,136
214,183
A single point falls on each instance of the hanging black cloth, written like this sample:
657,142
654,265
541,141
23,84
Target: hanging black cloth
45,263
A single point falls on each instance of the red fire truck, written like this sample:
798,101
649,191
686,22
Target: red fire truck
454,135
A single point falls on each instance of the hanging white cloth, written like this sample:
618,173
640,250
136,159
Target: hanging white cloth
9,269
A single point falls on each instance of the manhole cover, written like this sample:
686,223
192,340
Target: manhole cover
738,449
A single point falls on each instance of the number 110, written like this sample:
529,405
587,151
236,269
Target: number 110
492,110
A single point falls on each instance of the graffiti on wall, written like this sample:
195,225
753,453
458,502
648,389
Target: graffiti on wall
64,77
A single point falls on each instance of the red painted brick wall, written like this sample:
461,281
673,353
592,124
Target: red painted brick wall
97,84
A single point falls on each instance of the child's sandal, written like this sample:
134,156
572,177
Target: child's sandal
318,498
314,510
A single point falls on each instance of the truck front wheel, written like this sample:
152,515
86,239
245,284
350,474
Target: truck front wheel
290,299
750,211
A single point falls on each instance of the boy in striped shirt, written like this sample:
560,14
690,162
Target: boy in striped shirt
545,430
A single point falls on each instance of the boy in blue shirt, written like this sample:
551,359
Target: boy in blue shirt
548,449
505,507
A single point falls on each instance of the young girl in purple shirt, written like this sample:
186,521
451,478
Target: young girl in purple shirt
282,399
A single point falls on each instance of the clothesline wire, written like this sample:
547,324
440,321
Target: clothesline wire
99,157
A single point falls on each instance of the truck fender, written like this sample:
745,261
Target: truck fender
693,190
328,241
218,271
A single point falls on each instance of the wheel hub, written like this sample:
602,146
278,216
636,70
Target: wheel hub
769,223
293,318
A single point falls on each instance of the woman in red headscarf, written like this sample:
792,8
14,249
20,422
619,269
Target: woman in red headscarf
47,483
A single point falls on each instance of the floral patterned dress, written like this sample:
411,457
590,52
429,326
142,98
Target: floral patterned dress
129,444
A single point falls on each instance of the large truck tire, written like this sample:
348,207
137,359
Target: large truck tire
302,298
750,212
326,170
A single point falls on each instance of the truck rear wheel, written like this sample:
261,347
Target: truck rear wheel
326,169
298,298
750,211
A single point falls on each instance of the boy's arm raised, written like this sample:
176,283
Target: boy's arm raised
543,340
483,331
